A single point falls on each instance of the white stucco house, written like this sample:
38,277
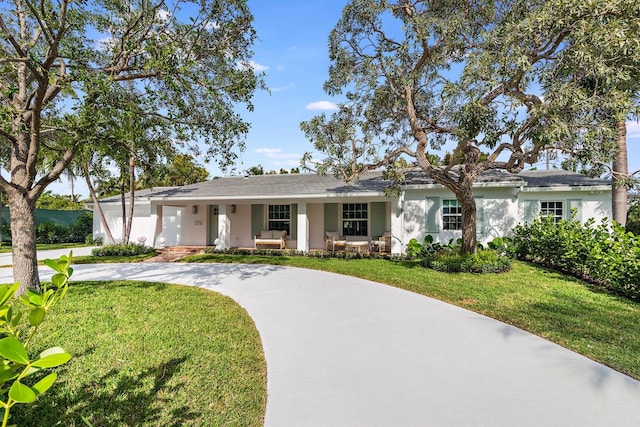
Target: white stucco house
231,211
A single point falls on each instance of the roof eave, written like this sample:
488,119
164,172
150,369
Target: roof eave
270,197
485,184
599,188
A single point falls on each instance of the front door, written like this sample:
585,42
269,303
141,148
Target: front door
213,224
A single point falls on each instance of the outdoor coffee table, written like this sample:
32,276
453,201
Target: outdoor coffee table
357,246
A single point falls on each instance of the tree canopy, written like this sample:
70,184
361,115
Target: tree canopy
420,77
64,65
181,170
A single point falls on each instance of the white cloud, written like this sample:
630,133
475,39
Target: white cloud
163,14
268,150
106,43
258,67
280,67
322,105
253,65
211,26
276,153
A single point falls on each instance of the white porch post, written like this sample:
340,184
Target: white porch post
156,225
224,228
397,225
303,228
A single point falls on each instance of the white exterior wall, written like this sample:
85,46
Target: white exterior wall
171,227
594,204
498,213
240,226
315,217
194,225
143,224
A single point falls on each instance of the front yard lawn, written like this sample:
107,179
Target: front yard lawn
151,354
562,309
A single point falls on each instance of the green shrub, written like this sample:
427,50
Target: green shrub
297,253
53,232
605,254
633,218
130,249
483,261
448,258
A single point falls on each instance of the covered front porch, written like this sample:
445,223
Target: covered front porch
236,223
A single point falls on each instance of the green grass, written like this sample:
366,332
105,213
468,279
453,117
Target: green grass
562,309
90,259
6,248
151,354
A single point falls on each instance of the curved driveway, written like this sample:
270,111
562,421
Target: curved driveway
348,352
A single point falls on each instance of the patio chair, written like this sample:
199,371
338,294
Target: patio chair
382,243
334,240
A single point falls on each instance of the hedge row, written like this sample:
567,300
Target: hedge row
605,254
53,232
121,249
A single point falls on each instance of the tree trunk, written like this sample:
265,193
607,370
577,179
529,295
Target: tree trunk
96,204
23,234
469,239
123,206
132,193
620,172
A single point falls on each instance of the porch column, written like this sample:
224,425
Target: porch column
155,226
303,228
397,225
224,228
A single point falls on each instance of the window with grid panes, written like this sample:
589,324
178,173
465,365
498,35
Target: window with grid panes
553,209
451,215
355,219
280,217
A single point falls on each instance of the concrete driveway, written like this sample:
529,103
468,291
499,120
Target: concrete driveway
342,351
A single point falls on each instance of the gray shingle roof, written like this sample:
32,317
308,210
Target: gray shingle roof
292,185
558,177
139,194
276,186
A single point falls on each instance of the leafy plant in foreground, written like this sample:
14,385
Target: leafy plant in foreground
18,332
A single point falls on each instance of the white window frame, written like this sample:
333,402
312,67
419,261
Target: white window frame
451,214
358,213
553,208
286,220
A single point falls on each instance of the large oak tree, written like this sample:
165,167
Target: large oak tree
464,75
61,60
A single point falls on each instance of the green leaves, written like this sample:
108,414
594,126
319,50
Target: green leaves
12,349
36,316
604,254
15,363
21,393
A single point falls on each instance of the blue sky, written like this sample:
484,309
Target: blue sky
292,50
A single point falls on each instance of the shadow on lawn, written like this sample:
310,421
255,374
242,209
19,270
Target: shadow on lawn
115,399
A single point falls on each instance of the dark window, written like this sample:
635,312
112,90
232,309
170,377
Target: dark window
355,219
552,209
280,217
451,215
